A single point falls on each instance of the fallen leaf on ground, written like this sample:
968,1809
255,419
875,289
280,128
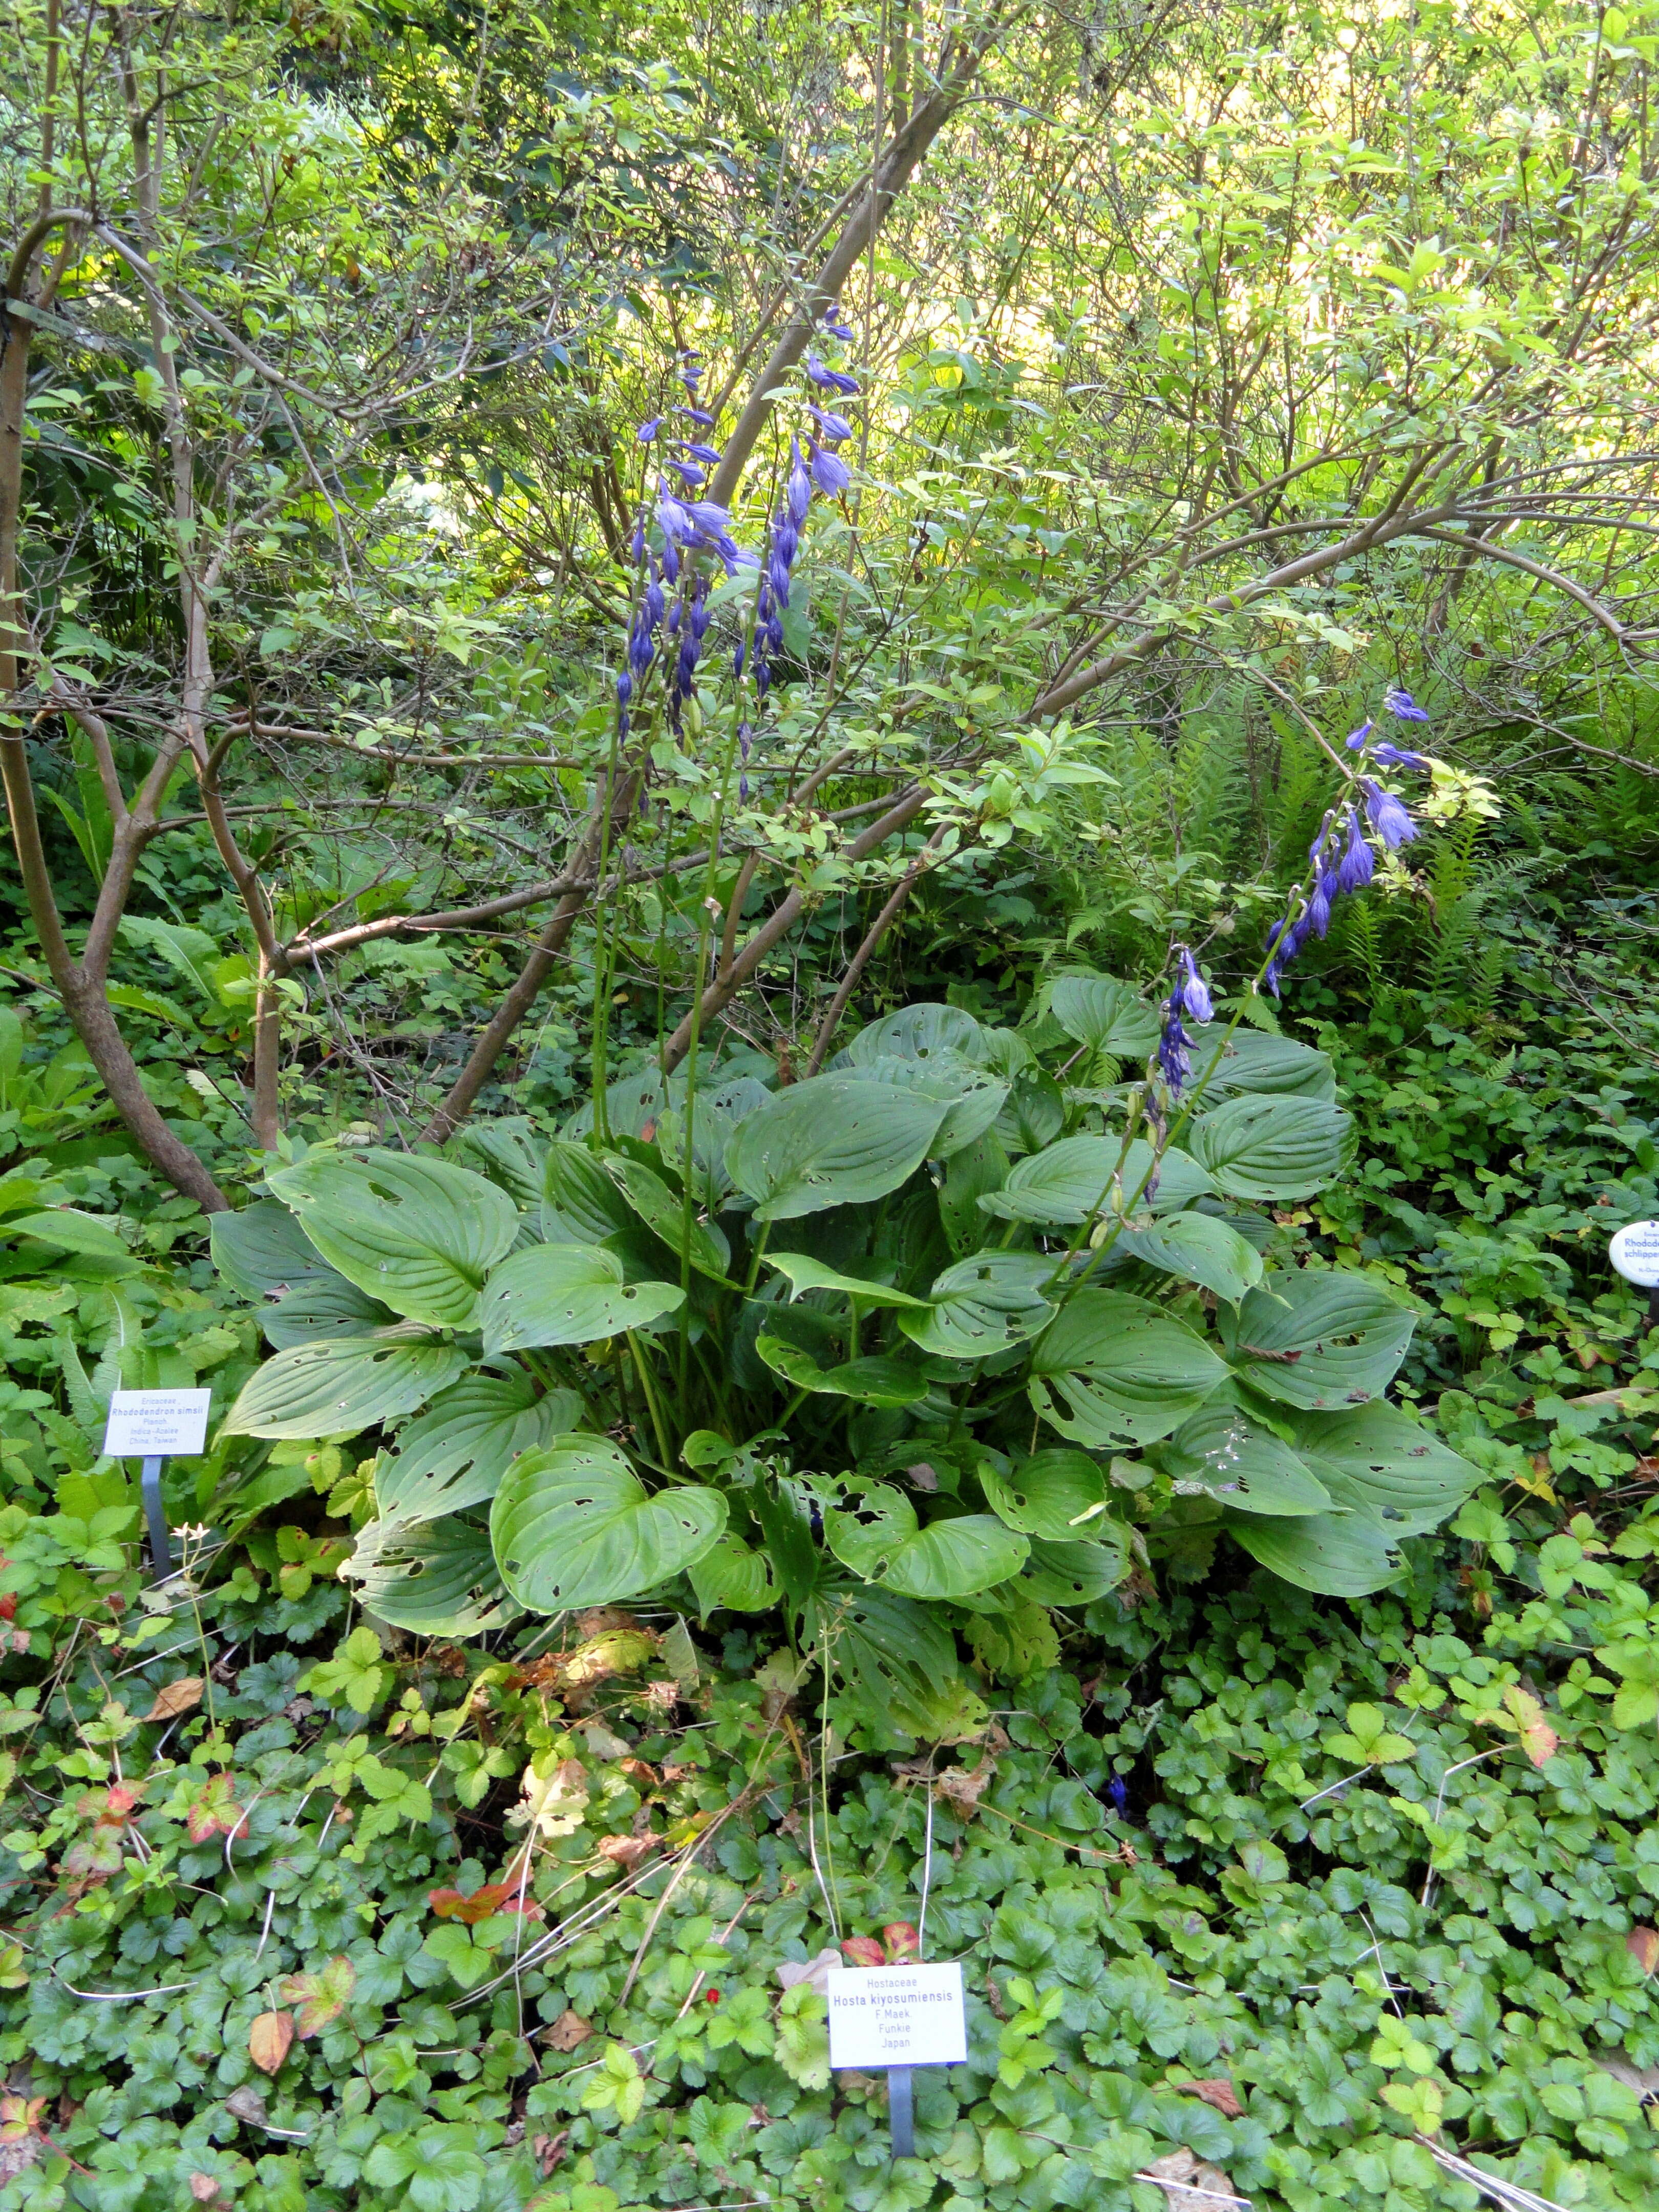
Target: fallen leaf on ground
173,1698
270,2039
246,2104
1190,2185
568,2030
1642,1944
962,1787
815,1972
628,1851
1219,2094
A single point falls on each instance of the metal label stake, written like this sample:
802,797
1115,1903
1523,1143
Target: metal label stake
901,2111
161,1555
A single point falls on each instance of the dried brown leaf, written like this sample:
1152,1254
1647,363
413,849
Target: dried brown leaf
1219,2094
173,1698
270,2039
1642,1944
567,2030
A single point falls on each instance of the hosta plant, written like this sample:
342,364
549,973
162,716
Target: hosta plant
925,1341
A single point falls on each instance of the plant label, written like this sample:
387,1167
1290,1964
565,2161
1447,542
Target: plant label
897,2016
156,1424
1635,1252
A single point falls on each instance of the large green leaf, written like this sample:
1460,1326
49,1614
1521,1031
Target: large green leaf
1126,1372
983,1304
1318,1337
732,1576
663,1211
574,1525
510,1152
580,1202
901,1654
433,1579
1199,1250
879,1538
1077,1572
1256,1061
566,1294
455,1454
1241,1462
262,1251
971,1097
805,1273
1050,1494
833,1141
716,1114
1033,1114
921,1032
633,1106
344,1386
1337,1554
1105,1015
420,1235
1271,1148
329,1306
1066,1183
806,1362
1378,1460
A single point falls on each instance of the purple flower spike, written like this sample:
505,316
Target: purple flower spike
1396,756
709,455
1356,865
624,689
1401,705
648,431
653,604
834,325
829,472
700,416
830,379
1195,992
832,429
1388,817
1356,738
798,492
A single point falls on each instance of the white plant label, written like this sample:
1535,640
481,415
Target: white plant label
156,1424
1635,1252
897,2016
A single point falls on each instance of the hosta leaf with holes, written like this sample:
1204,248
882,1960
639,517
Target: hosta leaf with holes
1099,1012
455,1454
923,1032
342,1387
510,1152
633,1106
983,1304
327,1306
900,1655
580,1202
1063,1186
1199,1250
716,1114
664,1211
875,1380
1241,1462
879,1538
262,1251
1316,1337
1122,1371
731,1575
1033,1114
433,1579
1379,1462
832,1140
574,1525
1078,1572
566,1294
421,1235
1271,1148
971,1097
1266,1065
803,1273
1337,1554
1055,1493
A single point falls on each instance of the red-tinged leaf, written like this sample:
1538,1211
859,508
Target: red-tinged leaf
1219,2094
901,1941
1642,1944
216,1812
481,1904
319,1999
1538,1738
864,1951
270,2039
